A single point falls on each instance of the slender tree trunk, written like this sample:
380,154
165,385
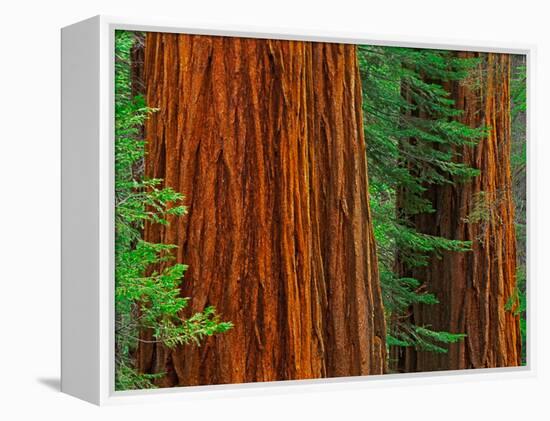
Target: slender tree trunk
474,287
265,139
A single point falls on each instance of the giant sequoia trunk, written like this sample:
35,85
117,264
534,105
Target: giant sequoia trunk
474,287
265,139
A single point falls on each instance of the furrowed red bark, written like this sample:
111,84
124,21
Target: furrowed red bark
474,287
265,139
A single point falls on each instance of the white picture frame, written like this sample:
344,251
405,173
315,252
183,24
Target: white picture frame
88,213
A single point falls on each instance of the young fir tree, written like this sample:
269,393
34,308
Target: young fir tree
147,294
407,112
518,159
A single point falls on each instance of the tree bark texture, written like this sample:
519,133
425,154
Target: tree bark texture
473,287
265,139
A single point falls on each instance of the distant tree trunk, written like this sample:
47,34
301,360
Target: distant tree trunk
474,287
265,139
137,53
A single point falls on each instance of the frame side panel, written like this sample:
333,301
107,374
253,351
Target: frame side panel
80,55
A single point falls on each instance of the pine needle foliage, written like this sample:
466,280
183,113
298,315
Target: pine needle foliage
518,302
147,293
412,135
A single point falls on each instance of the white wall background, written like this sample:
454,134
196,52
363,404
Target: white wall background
29,207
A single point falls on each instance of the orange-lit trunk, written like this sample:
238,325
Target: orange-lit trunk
265,139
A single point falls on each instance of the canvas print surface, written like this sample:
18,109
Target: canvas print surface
292,210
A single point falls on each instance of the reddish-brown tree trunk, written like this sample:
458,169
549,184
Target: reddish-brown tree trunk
474,287
265,139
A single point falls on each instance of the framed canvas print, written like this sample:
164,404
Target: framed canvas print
297,210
